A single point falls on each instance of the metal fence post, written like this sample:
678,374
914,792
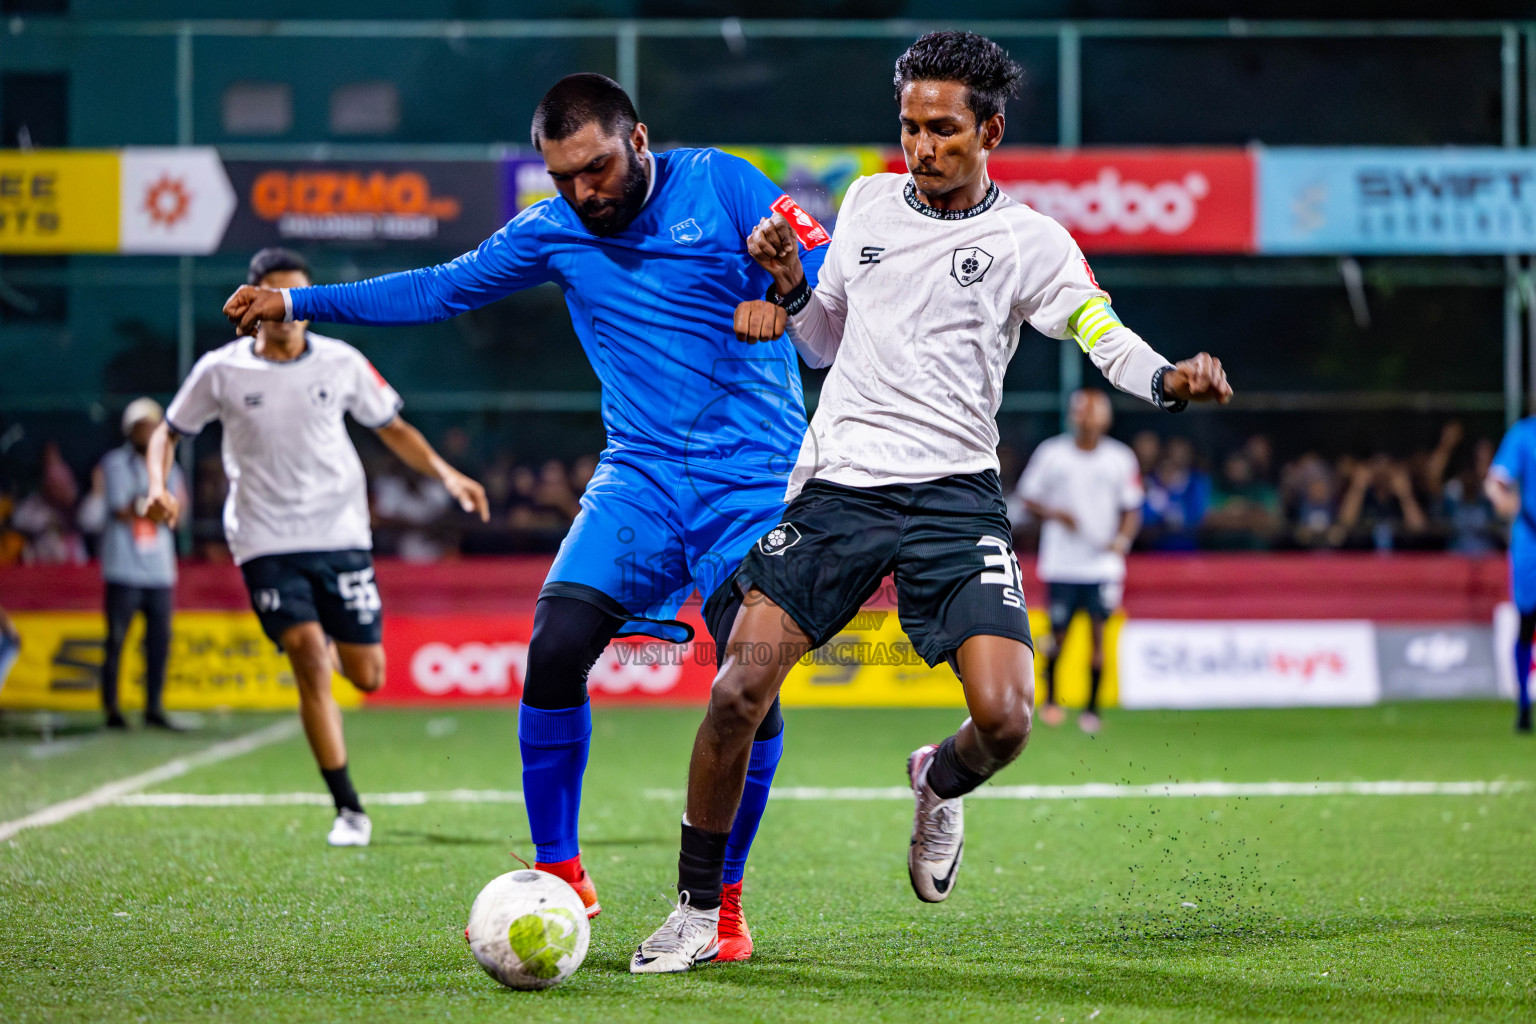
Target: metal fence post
626,57
1069,134
186,321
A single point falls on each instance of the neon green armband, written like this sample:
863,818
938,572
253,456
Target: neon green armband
1092,321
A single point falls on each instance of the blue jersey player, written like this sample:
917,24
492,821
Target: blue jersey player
650,250
1511,486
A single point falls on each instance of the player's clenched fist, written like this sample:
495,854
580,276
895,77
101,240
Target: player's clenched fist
760,320
161,507
250,305
774,246
1200,379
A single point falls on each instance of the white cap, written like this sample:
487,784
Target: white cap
141,409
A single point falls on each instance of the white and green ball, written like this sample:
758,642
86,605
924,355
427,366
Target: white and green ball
528,929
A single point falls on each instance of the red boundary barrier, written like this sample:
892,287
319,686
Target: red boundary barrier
1396,588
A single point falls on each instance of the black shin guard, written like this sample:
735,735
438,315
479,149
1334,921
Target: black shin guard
339,781
701,866
948,776
1095,677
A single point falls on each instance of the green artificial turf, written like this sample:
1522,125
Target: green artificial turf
1346,908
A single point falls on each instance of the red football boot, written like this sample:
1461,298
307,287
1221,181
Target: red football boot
735,939
576,876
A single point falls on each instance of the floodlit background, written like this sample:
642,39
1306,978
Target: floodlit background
1338,199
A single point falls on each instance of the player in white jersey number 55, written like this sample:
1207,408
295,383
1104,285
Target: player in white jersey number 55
917,310
296,517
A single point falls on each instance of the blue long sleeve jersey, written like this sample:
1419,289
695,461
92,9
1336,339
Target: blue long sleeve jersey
652,305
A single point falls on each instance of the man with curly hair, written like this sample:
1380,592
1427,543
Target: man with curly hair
917,310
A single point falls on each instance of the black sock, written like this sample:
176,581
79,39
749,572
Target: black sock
340,784
1050,678
1095,674
701,866
948,776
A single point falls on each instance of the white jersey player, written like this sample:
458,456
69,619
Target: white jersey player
917,310
1085,488
296,516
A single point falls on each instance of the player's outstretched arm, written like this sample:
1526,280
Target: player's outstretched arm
160,503
415,451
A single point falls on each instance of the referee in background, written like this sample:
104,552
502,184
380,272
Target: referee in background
138,565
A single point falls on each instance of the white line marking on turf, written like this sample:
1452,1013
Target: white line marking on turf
452,796
114,791
1107,791
1091,791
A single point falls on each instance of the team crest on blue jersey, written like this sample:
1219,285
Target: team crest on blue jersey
779,539
969,265
687,232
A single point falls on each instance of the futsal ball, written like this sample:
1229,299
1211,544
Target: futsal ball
528,929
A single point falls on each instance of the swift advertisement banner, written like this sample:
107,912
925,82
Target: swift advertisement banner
1396,201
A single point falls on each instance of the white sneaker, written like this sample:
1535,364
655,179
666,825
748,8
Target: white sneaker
351,828
938,833
688,936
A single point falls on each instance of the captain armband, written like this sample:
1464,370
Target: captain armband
1092,321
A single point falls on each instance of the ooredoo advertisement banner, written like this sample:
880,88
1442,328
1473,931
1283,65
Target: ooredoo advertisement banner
484,658
1141,200
1250,664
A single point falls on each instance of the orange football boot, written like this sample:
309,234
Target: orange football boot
735,939
571,872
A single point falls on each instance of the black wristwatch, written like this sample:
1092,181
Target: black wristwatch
795,301
1161,400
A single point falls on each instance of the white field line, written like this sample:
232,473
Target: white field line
451,796
114,791
1091,791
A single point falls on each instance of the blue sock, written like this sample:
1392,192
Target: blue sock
1523,677
554,746
754,801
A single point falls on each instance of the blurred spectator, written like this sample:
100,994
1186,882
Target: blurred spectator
10,645
1178,494
12,543
211,487
406,512
1261,458
91,517
1307,485
1147,446
1379,508
581,473
46,517
1245,512
555,491
138,565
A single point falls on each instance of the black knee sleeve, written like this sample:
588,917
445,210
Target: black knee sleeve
568,636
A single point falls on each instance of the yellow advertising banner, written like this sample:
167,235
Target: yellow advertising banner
58,201
218,660
872,664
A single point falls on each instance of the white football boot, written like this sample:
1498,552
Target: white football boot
687,937
351,828
938,833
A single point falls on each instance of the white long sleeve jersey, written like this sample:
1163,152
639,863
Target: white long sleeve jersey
918,312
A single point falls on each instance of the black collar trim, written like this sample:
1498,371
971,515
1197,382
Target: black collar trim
923,208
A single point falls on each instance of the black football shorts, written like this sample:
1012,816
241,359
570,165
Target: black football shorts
947,541
1099,600
333,588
